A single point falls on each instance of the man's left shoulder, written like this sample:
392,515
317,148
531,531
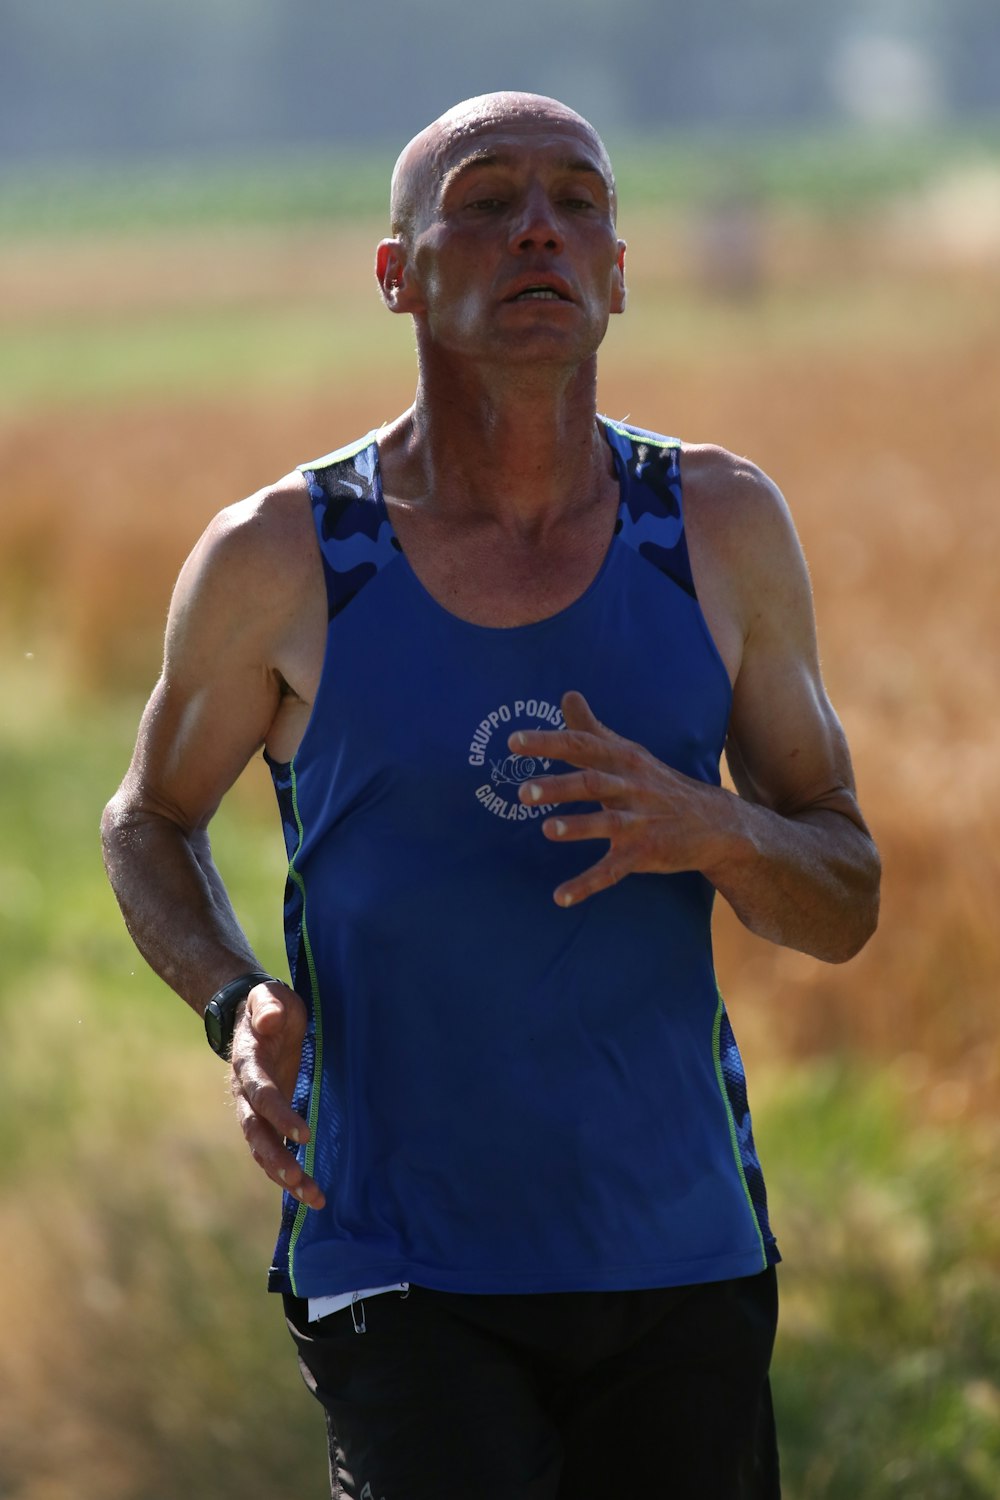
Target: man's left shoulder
732,502
714,476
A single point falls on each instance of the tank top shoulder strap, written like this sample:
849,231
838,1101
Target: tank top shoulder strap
651,517
354,533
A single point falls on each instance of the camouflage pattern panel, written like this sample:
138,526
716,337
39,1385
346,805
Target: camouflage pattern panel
651,518
352,527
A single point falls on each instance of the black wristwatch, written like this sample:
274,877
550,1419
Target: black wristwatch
220,1012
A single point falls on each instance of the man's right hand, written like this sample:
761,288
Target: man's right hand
267,1049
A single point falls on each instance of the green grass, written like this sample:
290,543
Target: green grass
289,344
137,1230
835,170
288,336
888,1367
187,353
303,187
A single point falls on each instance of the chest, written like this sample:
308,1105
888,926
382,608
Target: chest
413,719
484,575
472,574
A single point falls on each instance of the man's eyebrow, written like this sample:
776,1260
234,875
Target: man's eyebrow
575,164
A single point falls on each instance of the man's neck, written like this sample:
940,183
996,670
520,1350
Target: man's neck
524,453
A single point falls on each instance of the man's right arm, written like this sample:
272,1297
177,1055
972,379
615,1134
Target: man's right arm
217,698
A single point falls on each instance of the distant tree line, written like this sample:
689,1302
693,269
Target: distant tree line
120,78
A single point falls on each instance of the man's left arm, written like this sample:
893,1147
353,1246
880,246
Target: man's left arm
791,852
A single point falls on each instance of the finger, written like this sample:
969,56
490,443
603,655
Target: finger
600,877
275,1160
579,715
573,746
279,1164
265,1099
599,825
575,786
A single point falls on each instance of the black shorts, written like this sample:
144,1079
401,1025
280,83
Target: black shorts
569,1396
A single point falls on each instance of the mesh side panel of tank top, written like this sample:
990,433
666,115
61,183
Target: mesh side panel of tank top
734,1078
355,537
295,947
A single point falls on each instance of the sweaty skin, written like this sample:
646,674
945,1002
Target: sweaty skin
422,163
504,251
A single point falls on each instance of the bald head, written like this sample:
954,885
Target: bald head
423,164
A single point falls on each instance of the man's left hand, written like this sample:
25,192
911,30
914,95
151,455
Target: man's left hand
655,819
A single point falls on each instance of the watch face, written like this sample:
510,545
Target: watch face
220,1012
214,1028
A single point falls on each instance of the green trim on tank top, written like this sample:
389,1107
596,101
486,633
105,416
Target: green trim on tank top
315,1082
733,1135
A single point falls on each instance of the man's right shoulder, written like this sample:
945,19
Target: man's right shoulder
277,508
259,550
273,525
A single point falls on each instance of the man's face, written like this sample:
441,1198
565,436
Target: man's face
512,253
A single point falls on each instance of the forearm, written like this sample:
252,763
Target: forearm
175,905
809,882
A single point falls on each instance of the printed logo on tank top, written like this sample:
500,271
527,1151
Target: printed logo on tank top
501,771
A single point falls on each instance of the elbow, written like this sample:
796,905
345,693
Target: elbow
110,824
862,910
118,829
854,940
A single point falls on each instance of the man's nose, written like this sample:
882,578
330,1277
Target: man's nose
536,225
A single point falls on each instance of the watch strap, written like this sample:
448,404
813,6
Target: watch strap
220,1012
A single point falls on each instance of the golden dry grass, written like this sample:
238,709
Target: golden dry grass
887,446
869,388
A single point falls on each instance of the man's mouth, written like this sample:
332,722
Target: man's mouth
539,294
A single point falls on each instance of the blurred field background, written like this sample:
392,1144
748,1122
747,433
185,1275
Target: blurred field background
169,344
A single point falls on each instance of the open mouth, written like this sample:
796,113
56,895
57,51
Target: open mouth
539,294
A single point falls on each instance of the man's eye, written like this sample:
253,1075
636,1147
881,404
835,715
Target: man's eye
576,203
485,204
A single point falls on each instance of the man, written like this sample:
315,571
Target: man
524,1246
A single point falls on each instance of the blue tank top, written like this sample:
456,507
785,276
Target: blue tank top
504,1095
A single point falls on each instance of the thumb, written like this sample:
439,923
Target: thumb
266,1012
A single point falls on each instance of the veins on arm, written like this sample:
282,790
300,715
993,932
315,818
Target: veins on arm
209,713
805,871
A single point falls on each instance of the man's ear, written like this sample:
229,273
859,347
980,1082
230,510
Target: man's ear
618,284
394,278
